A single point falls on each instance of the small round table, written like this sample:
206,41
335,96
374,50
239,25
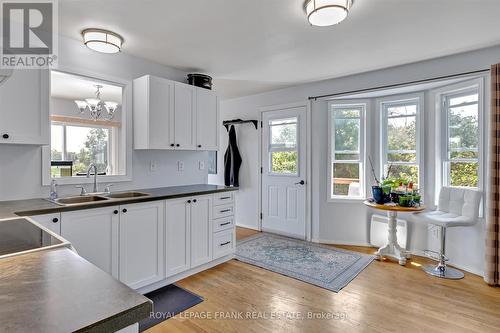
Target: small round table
392,249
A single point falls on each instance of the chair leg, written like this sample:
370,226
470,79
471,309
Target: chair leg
441,270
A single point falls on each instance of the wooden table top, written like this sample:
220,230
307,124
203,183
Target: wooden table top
396,208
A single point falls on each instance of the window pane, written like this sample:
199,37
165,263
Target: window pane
402,156
401,110
464,99
347,135
284,162
347,113
463,128
283,133
346,179
346,157
401,133
56,143
464,174
86,145
409,172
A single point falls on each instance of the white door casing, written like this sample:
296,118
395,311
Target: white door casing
284,188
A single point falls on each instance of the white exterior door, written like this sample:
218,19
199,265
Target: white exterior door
284,171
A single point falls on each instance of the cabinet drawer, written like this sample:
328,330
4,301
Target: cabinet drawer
223,243
223,211
223,198
223,224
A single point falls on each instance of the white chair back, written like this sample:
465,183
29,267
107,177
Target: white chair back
460,201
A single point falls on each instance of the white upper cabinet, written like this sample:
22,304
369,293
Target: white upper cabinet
184,117
174,115
142,253
153,113
24,108
207,120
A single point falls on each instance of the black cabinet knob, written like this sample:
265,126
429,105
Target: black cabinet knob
189,201
199,146
178,145
115,211
55,220
5,136
124,210
194,200
171,145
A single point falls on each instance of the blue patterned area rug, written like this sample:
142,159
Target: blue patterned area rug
320,265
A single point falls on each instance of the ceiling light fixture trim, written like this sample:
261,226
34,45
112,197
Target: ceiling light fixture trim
324,13
101,40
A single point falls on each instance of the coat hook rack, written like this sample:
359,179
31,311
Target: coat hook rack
226,123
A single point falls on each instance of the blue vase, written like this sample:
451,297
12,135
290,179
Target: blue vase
378,194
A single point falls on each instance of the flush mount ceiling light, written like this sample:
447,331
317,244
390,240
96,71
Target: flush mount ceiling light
323,13
103,41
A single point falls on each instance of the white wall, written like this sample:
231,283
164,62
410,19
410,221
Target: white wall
346,223
21,175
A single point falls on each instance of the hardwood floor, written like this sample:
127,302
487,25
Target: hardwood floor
385,297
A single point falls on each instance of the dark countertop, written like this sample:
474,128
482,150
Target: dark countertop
32,207
58,291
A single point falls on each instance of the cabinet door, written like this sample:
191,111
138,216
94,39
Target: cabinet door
49,221
207,120
153,113
94,235
177,236
24,115
201,231
185,117
142,252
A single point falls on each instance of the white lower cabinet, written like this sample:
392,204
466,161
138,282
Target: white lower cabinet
49,221
201,231
177,236
142,253
144,244
94,235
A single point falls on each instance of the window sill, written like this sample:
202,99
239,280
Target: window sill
84,180
345,200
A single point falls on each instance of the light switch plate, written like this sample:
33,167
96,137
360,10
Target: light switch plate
180,166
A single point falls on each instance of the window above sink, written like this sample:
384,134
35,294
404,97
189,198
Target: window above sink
82,134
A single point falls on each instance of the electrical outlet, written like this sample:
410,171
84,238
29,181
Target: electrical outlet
201,165
154,165
180,166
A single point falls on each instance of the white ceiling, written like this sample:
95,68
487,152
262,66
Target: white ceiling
68,86
250,46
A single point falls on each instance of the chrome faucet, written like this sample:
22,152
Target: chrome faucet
92,166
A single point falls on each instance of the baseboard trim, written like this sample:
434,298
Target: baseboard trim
335,242
247,226
183,275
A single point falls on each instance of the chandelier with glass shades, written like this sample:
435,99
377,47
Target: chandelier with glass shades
324,13
96,106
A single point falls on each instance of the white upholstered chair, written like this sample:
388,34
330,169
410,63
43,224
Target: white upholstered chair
458,207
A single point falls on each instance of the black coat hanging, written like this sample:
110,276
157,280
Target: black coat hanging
232,160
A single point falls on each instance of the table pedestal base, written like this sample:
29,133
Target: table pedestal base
392,249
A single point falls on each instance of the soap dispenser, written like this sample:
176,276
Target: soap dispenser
53,190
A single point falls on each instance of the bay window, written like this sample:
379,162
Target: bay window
347,150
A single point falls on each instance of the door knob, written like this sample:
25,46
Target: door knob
300,183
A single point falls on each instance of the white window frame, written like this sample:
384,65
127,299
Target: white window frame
123,139
339,104
382,104
112,141
464,88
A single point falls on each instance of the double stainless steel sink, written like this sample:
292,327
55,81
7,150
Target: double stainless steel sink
95,198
